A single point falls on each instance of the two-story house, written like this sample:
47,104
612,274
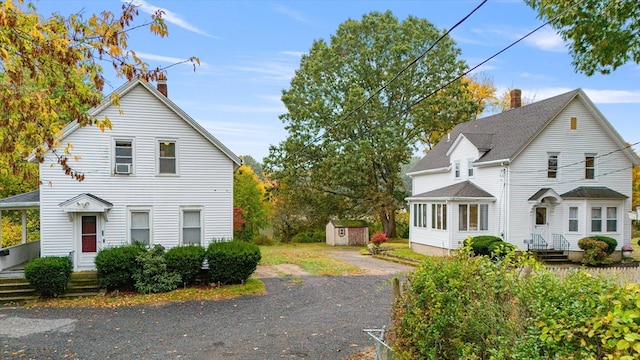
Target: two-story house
157,177
549,173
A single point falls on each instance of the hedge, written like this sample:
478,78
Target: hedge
115,266
232,262
49,275
185,261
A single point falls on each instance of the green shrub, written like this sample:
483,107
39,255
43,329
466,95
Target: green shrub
595,251
115,266
458,307
152,275
186,261
480,244
303,238
500,248
49,275
611,243
232,262
263,240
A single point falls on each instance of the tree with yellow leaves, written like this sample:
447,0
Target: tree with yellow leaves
51,73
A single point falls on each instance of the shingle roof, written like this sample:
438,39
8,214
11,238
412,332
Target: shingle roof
593,192
465,189
30,199
505,134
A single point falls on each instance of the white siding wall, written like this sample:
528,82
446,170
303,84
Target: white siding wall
205,177
527,174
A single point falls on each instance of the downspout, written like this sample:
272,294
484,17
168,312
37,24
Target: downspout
449,230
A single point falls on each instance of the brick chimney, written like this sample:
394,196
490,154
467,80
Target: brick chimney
162,85
516,98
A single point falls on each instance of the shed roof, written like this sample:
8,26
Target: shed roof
29,200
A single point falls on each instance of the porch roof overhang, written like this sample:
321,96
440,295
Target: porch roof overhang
593,192
25,201
463,191
544,193
86,203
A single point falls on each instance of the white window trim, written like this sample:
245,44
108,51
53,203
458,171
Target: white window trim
470,169
577,218
457,169
113,155
605,216
181,220
131,209
157,152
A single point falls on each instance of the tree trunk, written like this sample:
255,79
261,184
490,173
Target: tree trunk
389,224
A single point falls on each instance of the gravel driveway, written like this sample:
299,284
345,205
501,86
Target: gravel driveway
307,317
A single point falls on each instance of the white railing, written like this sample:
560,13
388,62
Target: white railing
19,254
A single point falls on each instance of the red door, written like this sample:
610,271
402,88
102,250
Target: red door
89,234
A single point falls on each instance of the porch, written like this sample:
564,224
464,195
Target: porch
15,255
555,252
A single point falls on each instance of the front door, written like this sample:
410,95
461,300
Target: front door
541,222
89,231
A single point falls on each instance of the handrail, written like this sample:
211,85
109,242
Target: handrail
560,242
538,242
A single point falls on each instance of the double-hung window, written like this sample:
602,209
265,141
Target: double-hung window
123,157
167,157
596,219
612,219
420,215
470,167
457,168
590,166
573,218
140,225
552,166
473,217
191,226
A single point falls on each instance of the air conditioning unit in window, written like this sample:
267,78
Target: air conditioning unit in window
124,169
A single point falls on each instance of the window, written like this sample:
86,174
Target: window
612,219
596,219
424,215
123,159
457,168
415,214
470,167
574,123
439,216
191,226
573,218
589,167
541,216
167,160
420,215
140,226
341,232
473,217
552,166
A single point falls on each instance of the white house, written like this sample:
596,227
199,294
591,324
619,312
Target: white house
542,175
157,177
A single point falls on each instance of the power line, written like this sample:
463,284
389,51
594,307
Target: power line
578,162
396,76
575,180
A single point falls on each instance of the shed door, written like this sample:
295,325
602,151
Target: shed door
357,236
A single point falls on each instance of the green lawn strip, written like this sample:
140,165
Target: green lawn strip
250,287
310,257
636,248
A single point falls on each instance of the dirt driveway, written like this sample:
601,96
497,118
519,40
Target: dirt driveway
369,265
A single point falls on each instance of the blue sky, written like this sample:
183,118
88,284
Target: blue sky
250,49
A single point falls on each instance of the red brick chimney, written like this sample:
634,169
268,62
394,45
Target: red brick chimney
162,85
516,98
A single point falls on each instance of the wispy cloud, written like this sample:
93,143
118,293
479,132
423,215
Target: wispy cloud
166,59
546,39
295,15
168,16
597,96
278,71
293,53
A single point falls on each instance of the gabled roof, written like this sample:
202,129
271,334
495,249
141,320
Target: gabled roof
459,191
127,87
506,134
593,192
30,200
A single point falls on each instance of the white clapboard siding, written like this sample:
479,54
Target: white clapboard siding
205,176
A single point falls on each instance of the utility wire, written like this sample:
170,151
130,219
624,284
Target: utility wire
575,180
577,162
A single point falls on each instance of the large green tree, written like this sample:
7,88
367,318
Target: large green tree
602,34
51,72
348,140
249,194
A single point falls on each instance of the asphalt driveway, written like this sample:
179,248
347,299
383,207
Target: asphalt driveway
306,317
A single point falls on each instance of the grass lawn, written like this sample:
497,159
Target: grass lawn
312,258
400,248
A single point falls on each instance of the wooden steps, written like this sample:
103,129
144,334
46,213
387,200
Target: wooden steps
18,290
